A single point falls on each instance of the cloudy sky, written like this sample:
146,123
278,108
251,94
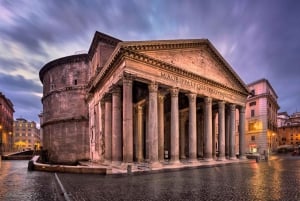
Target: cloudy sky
258,38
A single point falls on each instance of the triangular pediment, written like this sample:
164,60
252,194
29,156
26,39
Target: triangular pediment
196,56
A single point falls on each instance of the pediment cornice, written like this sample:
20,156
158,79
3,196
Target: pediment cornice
124,52
158,45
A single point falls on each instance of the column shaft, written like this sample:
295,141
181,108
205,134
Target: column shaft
139,140
214,114
242,132
161,118
208,129
107,128
116,125
192,127
182,140
174,125
127,121
227,128
221,130
232,133
152,123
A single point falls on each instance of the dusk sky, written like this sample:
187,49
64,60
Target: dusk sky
258,38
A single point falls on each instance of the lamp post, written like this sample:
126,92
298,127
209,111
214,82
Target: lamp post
11,141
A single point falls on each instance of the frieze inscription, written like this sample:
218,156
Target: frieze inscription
194,85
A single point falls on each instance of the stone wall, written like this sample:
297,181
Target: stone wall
65,111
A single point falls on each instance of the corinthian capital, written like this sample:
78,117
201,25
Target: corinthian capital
174,91
152,87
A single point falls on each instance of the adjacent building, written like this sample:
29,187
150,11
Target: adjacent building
261,117
26,135
289,129
138,101
6,124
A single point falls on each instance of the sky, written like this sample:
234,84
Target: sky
258,38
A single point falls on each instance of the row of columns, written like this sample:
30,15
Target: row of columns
117,152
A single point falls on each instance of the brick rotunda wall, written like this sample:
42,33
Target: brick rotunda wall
65,112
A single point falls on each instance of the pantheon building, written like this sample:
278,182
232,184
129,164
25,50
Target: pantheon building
143,101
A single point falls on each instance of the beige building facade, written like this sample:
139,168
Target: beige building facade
26,135
149,101
261,118
289,129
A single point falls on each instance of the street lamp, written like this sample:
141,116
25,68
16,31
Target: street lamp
11,141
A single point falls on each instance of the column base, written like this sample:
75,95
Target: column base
175,162
208,159
156,164
232,158
222,158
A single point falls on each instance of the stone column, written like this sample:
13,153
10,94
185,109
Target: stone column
107,128
227,128
116,126
182,121
214,114
139,140
192,128
161,119
208,129
200,134
242,132
174,126
127,121
153,123
221,130
232,133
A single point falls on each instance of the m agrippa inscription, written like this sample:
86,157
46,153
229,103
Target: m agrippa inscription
198,87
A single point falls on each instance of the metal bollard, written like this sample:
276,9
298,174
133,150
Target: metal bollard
129,169
30,165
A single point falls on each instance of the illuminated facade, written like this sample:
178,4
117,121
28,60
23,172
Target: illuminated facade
6,124
26,135
261,117
143,101
289,129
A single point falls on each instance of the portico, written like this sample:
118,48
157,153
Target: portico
174,101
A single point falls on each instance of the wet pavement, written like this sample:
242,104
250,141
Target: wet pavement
277,179
17,184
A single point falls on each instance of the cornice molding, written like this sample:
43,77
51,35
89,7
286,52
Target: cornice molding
61,61
140,57
65,89
183,44
264,95
172,68
63,120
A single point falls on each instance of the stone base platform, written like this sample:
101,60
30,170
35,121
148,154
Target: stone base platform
87,167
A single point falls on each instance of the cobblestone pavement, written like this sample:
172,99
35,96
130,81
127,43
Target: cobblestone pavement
17,184
277,179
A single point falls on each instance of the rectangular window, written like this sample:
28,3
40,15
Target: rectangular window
252,103
253,92
252,113
252,138
251,126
